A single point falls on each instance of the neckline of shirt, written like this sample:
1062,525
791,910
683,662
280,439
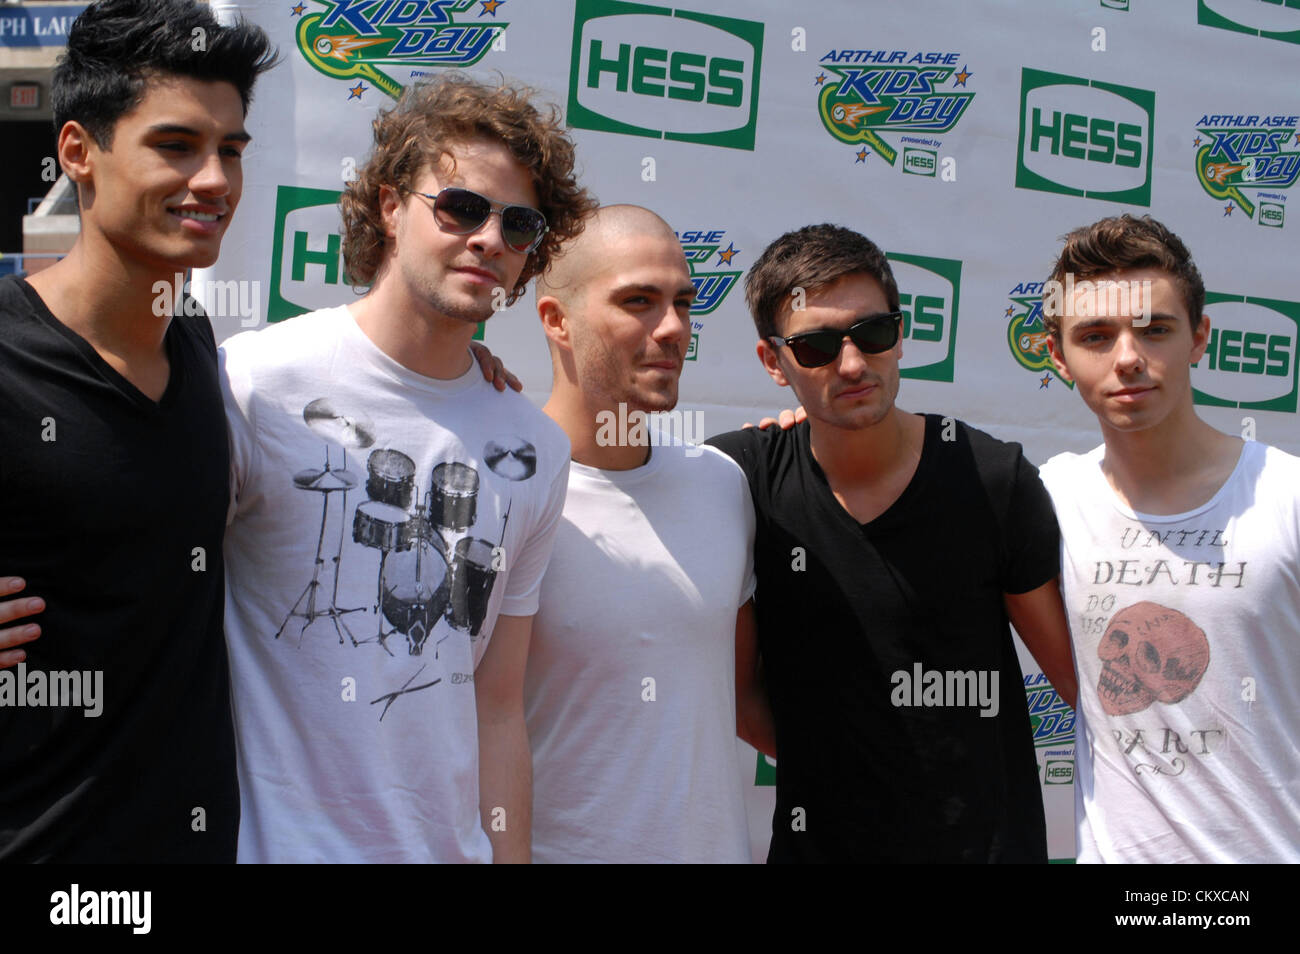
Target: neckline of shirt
401,374
119,381
624,478
914,485
1097,454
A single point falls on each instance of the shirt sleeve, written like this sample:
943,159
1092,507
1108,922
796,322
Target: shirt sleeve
750,578
237,395
744,509
1031,538
524,584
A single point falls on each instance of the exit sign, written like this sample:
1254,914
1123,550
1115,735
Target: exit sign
25,96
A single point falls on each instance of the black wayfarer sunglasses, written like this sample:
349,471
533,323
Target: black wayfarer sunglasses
815,349
460,211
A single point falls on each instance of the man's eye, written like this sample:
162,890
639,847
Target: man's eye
174,146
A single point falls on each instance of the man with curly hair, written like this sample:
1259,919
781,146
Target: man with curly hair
392,514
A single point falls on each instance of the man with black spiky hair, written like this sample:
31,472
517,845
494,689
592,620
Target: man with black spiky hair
116,741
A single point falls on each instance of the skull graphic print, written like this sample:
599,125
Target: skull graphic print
1150,653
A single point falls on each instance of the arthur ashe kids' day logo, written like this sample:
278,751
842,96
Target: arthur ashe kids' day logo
863,94
1246,161
711,274
1025,333
363,41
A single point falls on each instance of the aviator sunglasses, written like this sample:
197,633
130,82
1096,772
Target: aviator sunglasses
815,349
460,212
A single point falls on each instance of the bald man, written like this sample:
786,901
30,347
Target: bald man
630,688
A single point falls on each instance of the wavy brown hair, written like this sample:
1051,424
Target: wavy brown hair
429,119
1122,243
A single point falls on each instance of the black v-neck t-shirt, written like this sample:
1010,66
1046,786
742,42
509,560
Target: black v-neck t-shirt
112,507
866,769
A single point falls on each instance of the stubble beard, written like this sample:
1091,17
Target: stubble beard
599,374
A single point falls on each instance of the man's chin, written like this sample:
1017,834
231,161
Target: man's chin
654,403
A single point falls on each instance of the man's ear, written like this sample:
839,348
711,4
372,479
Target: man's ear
1200,339
76,151
555,321
1058,357
771,362
389,202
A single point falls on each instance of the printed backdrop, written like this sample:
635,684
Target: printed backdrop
964,136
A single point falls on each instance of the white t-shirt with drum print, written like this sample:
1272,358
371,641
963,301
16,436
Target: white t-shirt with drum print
437,502
1186,633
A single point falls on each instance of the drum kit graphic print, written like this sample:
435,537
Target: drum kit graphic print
432,568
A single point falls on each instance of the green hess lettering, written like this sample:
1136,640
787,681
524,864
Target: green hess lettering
922,317
1248,352
655,71
1093,139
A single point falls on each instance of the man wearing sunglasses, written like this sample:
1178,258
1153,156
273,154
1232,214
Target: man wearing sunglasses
392,513
892,549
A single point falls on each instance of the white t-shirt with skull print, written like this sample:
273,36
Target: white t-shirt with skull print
381,522
1186,632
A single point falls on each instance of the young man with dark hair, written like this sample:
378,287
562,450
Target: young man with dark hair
115,731
392,514
1180,571
892,549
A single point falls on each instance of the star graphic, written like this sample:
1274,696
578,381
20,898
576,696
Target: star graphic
862,155
821,78
357,90
961,78
1227,209
1297,139
297,11
724,258
1010,311
1197,142
490,6
1044,381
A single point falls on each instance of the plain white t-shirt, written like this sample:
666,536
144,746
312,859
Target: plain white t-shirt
630,690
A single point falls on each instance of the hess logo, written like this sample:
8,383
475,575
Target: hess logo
1086,138
929,293
669,74
1274,19
1250,360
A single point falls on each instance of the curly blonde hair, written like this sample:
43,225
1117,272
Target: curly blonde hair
418,131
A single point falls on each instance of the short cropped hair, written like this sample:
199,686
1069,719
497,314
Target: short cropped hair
811,258
420,129
1124,243
116,48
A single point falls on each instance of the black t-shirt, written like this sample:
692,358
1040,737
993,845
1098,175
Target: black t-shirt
855,620
112,507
